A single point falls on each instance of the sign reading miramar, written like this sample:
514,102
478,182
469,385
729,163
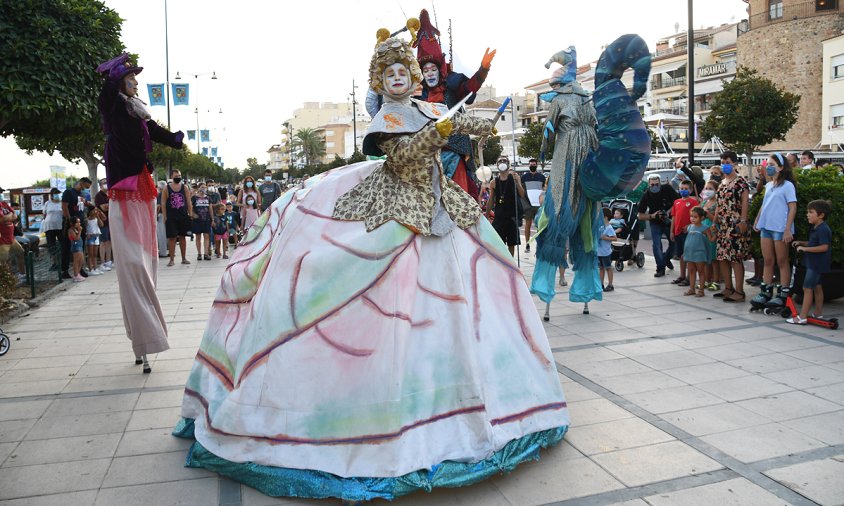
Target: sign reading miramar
712,70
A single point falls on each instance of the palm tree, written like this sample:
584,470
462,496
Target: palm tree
310,144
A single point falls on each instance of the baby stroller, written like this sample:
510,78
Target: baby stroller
5,343
622,249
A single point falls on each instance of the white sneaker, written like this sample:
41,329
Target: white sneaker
95,272
108,264
104,267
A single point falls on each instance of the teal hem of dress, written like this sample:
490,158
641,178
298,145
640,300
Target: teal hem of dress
306,483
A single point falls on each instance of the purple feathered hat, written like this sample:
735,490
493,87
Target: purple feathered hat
118,67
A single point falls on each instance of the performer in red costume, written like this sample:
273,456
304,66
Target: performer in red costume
442,85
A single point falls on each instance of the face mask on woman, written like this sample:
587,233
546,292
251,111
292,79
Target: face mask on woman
177,180
771,169
727,168
249,184
250,202
502,167
707,194
57,197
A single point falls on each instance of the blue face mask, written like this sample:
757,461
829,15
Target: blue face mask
86,193
772,170
684,193
654,188
249,184
727,168
679,172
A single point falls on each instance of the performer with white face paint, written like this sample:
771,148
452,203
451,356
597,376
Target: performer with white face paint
444,86
407,353
129,131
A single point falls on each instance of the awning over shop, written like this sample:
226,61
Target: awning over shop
668,67
665,118
707,87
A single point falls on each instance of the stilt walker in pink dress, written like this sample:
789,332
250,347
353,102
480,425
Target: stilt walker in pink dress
129,131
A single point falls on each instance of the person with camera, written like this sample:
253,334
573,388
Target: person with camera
654,207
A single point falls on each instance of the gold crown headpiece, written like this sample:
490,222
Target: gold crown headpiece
390,49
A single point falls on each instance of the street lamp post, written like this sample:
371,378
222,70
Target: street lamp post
354,119
167,63
690,43
196,76
289,144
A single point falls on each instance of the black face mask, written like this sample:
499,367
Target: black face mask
177,180
532,168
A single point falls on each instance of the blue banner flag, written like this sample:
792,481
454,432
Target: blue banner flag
204,151
156,94
180,94
191,135
213,152
205,135
219,159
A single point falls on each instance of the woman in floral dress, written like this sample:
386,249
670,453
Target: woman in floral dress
733,242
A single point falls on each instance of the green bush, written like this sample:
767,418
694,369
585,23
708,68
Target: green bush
819,184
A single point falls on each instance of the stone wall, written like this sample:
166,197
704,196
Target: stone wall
790,54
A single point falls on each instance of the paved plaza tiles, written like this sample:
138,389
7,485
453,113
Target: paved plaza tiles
674,401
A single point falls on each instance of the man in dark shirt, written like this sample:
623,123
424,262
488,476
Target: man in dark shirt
533,182
270,190
72,206
654,207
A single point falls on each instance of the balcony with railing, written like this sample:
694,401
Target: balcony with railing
667,82
781,12
680,110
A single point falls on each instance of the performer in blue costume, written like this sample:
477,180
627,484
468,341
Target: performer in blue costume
588,164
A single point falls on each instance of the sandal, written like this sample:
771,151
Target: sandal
185,261
690,291
678,280
797,320
726,293
207,257
735,297
171,263
685,282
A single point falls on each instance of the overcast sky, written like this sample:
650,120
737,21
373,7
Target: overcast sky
270,57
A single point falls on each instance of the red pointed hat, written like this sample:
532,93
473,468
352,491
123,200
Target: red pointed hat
428,47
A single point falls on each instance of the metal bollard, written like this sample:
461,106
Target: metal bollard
30,272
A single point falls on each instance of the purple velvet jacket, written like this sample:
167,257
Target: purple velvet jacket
125,148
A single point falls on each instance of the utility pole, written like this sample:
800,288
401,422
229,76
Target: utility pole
354,119
690,71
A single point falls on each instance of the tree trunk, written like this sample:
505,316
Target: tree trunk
93,163
750,172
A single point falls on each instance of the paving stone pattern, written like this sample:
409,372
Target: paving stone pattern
674,401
